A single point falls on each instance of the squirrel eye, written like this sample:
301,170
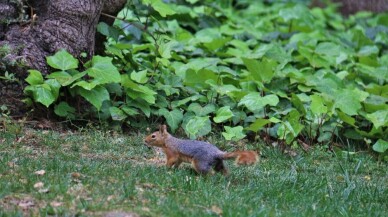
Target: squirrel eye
153,136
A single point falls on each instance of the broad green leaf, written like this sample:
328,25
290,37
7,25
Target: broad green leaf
378,118
86,85
317,105
207,35
346,118
368,50
198,126
233,133
223,114
75,76
254,102
108,31
64,110
62,77
166,48
54,86
62,60
201,111
143,106
258,124
136,91
162,8
129,111
103,71
328,49
298,12
210,64
96,96
261,70
293,118
35,77
298,104
349,101
216,43
44,95
198,79
173,118
117,114
380,146
140,77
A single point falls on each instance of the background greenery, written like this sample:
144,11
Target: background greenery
280,70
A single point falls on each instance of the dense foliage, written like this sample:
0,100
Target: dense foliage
279,69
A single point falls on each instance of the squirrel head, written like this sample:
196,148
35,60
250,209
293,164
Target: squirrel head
157,138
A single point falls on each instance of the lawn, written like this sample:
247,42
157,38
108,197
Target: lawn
100,173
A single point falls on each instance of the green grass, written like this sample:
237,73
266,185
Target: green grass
95,173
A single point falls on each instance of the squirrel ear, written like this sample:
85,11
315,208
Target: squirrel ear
163,129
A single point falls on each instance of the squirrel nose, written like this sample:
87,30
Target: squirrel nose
146,144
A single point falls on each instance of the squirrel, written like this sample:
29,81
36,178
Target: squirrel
202,155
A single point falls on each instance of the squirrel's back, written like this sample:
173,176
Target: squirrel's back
194,148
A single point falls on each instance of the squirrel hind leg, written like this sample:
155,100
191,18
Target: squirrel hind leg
220,167
201,167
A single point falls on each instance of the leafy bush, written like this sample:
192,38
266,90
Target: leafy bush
283,69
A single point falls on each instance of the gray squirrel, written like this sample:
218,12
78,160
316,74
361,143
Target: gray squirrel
203,156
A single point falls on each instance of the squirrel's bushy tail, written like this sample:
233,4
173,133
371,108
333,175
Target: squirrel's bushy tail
243,157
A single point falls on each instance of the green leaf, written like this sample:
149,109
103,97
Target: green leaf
317,105
349,100
96,96
378,118
223,114
117,114
293,118
298,12
198,126
258,124
54,86
201,111
64,110
162,8
261,70
44,95
62,77
368,50
86,85
254,102
129,111
108,31
380,146
198,79
35,77
103,71
298,104
173,118
346,118
233,133
140,77
62,60
136,91
143,105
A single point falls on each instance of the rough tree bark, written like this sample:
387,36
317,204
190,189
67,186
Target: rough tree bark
51,26
353,6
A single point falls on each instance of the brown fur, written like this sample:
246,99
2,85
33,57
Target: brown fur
203,156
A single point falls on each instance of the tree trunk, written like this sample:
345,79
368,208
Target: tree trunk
353,6
50,26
